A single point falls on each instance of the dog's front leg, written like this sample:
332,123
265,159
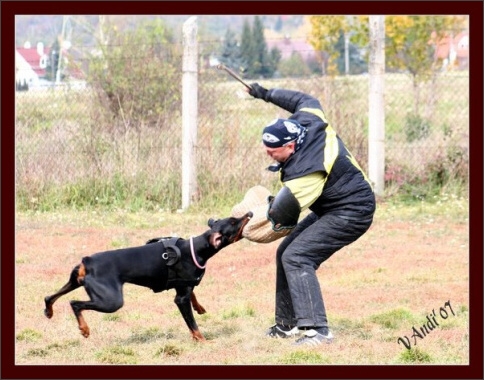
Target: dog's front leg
196,306
183,301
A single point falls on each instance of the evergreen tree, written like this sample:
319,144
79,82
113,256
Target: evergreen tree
275,57
247,51
261,59
357,64
230,51
278,24
258,62
52,61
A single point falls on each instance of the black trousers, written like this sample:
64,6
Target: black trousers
299,301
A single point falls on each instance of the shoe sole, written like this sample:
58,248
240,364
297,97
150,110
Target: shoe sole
311,341
289,334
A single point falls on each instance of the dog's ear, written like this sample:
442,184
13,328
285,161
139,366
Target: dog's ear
215,240
211,221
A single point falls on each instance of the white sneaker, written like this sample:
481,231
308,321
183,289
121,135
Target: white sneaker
313,338
278,331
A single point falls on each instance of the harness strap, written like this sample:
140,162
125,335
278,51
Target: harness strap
172,253
176,273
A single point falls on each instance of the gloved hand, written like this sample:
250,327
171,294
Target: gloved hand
283,210
258,92
270,200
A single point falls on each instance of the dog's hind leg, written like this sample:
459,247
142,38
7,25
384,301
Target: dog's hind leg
183,301
77,307
105,296
75,281
196,306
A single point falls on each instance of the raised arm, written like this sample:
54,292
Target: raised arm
290,100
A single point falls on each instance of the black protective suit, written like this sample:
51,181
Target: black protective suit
340,213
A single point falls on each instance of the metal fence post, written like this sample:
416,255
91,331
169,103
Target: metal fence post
189,111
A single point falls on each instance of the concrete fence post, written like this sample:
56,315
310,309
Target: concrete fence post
189,111
376,112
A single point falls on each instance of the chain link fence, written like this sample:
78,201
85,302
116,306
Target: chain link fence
66,138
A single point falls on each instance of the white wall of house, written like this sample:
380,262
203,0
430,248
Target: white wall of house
24,73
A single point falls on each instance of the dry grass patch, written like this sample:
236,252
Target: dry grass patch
412,261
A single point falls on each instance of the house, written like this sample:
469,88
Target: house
288,46
454,51
30,65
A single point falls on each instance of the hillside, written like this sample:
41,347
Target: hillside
80,28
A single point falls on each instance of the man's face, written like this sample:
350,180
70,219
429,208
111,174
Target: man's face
280,154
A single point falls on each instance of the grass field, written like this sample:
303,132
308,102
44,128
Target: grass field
414,261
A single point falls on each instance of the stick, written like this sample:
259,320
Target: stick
221,66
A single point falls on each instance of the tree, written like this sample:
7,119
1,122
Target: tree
357,63
52,61
278,24
247,50
259,45
275,56
410,46
230,51
294,66
133,73
257,60
324,36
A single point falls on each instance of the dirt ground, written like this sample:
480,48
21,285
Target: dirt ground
411,260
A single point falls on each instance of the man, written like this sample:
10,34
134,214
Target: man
317,172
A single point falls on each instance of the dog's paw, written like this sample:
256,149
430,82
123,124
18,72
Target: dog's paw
84,331
48,313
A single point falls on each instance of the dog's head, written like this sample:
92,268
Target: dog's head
227,231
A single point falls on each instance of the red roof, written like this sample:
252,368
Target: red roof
33,58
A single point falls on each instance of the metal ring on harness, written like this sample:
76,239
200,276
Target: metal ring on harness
172,253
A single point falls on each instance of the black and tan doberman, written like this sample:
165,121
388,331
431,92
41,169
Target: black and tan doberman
160,264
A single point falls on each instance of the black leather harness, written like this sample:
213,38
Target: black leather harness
178,274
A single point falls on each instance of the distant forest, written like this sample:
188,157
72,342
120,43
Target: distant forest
79,28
